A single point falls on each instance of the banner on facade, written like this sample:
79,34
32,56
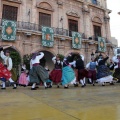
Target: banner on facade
47,37
101,44
76,40
8,30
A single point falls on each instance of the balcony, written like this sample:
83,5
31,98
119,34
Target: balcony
32,27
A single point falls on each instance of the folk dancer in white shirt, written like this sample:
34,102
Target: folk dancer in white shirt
8,63
37,72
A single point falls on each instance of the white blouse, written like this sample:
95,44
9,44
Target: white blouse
37,59
7,60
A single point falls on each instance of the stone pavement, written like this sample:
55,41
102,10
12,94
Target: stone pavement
90,103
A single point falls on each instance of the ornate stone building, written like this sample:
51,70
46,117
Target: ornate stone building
88,17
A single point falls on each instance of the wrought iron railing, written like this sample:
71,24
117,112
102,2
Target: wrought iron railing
96,39
38,28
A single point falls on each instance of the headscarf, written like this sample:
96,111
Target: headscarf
34,55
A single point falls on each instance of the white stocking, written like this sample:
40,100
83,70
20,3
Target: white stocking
11,80
3,84
34,84
81,81
45,84
84,80
90,80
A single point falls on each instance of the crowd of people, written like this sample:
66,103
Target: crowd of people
70,70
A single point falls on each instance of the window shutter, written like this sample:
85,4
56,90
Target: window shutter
9,12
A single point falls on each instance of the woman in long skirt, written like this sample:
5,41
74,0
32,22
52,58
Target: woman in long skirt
103,72
68,75
56,74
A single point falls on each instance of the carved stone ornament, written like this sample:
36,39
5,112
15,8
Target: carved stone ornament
97,20
45,5
72,13
85,8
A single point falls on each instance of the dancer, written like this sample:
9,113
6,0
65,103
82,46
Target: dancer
23,79
48,82
8,63
5,74
37,71
73,64
68,75
82,72
116,74
103,72
91,67
56,74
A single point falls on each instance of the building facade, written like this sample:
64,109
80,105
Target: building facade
88,17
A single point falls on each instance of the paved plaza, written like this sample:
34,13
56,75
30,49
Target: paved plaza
90,103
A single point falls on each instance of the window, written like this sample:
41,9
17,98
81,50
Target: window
94,2
9,12
73,26
44,19
97,31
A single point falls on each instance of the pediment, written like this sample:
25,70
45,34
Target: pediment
45,5
97,20
73,13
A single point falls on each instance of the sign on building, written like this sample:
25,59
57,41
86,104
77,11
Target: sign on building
101,44
47,36
76,40
8,30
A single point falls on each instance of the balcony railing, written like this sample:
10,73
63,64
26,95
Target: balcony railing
38,28
96,39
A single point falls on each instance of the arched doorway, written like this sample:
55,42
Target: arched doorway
16,61
15,55
47,60
75,55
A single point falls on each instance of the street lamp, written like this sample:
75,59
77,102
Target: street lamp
96,53
92,55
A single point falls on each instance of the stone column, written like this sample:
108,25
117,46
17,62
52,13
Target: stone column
107,26
0,9
86,20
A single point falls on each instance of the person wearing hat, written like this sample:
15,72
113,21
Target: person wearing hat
8,64
37,72
56,73
82,72
91,67
103,72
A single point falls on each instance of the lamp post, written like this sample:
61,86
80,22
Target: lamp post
61,20
92,54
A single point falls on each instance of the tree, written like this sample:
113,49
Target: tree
16,59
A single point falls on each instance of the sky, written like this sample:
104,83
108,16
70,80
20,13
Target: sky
114,5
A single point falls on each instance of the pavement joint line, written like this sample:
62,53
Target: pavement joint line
53,107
